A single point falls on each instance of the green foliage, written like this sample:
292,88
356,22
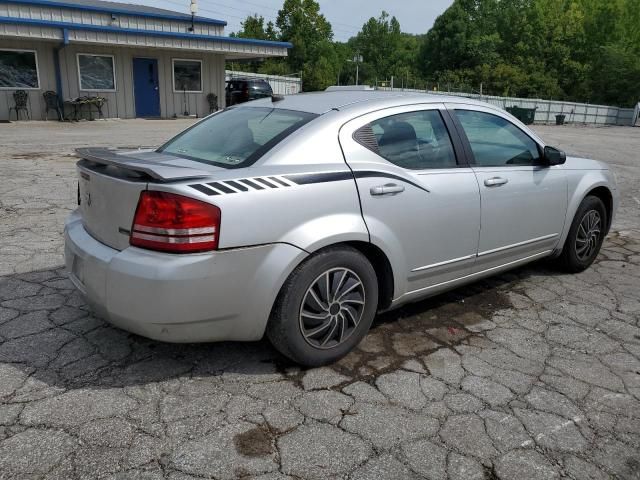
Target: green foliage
378,42
616,75
313,54
582,50
255,27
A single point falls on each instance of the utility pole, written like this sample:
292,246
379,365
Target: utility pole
357,59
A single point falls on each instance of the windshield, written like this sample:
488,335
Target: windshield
236,137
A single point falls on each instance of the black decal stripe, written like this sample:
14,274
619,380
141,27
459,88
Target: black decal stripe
236,185
373,173
221,187
204,189
299,179
252,184
278,181
307,178
264,182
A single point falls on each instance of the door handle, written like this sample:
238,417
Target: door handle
495,181
386,189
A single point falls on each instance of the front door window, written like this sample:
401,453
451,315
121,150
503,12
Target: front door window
496,142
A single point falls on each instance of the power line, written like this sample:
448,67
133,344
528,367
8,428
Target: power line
272,17
214,12
246,13
357,29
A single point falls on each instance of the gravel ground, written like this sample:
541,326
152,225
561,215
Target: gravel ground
529,375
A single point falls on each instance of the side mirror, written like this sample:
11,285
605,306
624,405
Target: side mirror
554,156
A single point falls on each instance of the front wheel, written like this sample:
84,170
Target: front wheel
325,307
585,235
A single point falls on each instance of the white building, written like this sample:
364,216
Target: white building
145,61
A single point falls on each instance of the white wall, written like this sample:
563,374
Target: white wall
546,110
120,104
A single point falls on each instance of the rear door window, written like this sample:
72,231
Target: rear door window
236,137
414,140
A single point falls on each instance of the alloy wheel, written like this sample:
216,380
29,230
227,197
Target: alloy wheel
588,235
332,308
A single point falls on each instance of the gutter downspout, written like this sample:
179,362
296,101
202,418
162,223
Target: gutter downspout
56,66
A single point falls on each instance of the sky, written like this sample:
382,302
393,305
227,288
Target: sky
346,16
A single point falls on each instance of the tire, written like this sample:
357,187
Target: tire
302,317
577,255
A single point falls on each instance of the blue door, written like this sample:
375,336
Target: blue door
145,87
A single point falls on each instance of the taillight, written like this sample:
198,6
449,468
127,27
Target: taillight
174,223
246,93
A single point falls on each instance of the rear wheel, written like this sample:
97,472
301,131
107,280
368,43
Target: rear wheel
325,307
585,235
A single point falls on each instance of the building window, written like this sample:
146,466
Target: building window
19,69
187,75
96,72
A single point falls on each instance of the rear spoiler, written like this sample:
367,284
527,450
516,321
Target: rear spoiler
142,161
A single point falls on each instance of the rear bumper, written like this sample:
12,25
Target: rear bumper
225,295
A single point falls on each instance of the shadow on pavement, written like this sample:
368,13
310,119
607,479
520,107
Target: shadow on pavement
49,334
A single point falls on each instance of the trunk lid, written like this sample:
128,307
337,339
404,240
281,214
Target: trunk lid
109,186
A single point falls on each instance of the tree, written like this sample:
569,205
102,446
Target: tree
254,27
616,76
378,42
301,23
579,50
582,50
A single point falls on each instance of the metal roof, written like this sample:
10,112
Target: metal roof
118,8
104,7
135,31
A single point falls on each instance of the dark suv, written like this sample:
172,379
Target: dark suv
240,90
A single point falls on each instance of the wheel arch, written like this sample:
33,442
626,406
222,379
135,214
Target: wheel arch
382,267
377,258
603,193
580,187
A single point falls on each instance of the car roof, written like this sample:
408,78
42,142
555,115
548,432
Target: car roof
323,102
245,79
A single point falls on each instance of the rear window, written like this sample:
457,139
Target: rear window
261,86
236,137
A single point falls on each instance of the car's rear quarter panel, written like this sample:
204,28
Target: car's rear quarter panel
309,213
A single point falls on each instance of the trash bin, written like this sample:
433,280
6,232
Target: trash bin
525,115
560,119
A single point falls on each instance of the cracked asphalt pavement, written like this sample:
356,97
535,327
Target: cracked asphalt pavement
533,374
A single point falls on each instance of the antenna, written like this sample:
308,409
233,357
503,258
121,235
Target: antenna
194,11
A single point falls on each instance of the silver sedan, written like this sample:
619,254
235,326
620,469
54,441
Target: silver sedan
301,217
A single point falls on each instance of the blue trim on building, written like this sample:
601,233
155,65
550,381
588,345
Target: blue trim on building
121,11
100,28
